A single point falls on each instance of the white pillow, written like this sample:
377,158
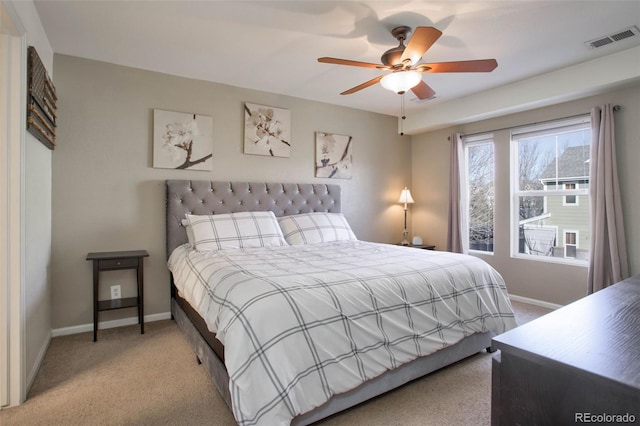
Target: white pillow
311,228
236,230
190,237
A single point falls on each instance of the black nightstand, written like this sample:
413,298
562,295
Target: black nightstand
424,247
111,261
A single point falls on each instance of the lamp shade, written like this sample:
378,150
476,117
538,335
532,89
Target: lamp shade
405,196
401,81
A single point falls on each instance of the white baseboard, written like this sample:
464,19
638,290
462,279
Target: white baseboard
31,377
108,324
535,302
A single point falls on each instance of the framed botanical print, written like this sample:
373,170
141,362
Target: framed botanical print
334,158
182,140
267,130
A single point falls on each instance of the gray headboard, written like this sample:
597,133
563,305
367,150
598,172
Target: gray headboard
207,197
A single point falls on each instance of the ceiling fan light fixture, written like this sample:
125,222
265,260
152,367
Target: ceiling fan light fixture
401,81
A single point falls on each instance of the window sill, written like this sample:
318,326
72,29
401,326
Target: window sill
547,259
480,252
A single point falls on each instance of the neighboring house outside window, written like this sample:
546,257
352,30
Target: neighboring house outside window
550,182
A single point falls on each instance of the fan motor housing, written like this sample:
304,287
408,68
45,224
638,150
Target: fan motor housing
392,57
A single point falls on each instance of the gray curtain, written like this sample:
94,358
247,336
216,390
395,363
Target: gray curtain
608,263
457,239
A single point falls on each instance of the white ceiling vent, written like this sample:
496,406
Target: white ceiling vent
612,38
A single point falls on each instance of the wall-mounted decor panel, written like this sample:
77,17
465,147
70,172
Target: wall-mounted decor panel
41,101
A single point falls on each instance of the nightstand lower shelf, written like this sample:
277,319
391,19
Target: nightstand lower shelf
127,302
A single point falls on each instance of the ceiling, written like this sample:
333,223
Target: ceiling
274,46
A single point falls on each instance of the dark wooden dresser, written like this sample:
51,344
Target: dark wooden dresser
578,364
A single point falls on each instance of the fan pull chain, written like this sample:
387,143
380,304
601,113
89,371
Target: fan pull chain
402,115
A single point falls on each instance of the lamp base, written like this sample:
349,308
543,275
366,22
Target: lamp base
405,234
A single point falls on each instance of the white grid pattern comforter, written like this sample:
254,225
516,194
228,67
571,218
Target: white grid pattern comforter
302,323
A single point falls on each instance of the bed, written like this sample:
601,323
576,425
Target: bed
280,326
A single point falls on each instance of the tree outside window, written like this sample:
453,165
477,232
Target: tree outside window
480,179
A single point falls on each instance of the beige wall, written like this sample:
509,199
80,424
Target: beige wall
553,283
107,195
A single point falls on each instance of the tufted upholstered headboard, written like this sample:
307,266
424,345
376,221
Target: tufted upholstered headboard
208,197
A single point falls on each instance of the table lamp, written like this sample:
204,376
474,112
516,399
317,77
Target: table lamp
405,198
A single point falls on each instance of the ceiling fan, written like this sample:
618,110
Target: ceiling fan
402,61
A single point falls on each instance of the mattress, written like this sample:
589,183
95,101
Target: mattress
300,324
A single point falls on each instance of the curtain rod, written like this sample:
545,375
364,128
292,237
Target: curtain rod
615,108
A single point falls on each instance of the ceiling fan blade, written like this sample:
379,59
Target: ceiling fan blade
421,40
423,91
480,65
362,86
337,61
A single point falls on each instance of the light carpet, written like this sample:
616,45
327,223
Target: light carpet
126,378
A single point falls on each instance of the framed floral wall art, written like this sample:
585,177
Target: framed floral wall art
334,158
267,130
182,140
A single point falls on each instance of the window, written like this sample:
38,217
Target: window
570,244
479,161
550,175
570,200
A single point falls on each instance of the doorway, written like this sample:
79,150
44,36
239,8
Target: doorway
12,88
